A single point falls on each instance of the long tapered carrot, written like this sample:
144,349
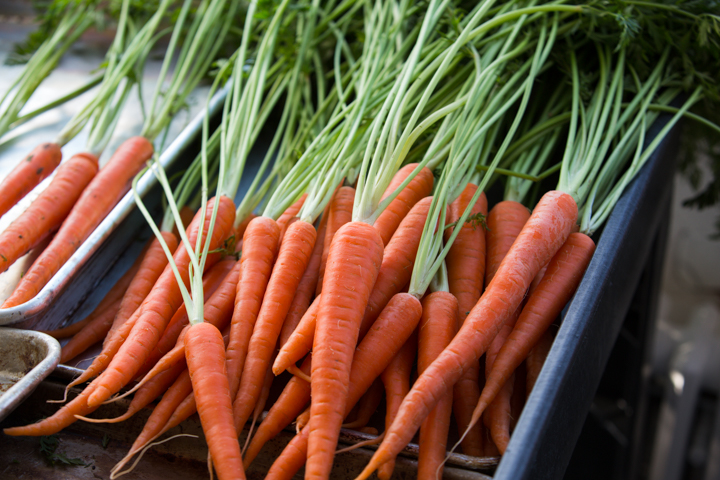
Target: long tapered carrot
301,340
395,325
418,188
289,404
543,235
28,173
260,246
153,263
396,379
437,328
466,274
293,257
306,288
48,211
96,201
353,265
339,213
561,278
211,282
93,332
161,303
398,261
205,353
536,359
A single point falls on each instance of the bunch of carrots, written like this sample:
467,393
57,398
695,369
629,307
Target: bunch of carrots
366,252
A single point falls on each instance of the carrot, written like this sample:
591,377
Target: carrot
153,263
289,404
240,229
96,201
260,246
301,340
291,459
396,378
161,304
353,265
339,213
205,353
262,400
292,260
211,282
395,325
186,216
505,222
48,211
418,188
536,359
466,273
368,405
306,288
561,278
398,261
28,173
437,328
291,212
543,234
93,332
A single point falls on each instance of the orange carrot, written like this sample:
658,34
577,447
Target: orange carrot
28,173
466,273
289,404
536,359
291,212
161,304
437,328
49,210
562,277
93,332
292,260
291,459
418,188
96,201
300,342
205,353
543,235
368,405
339,213
262,400
353,265
505,222
153,263
396,378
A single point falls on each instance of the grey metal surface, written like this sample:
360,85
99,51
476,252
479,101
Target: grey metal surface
26,358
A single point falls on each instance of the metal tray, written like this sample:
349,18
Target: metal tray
92,260
26,358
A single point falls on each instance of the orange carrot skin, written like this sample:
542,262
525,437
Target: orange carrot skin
32,170
398,261
536,359
301,340
562,277
153,262
291,459
260,246
466,273
205,354
505,222
96,201
293,257
289,404
418,188
437,328
306,288
396,378
161,304
339,213
90,335
49,210
353,264
543,235
291,212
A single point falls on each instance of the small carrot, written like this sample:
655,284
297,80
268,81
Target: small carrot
205,353
260,246
339,213
543,234
418,188
289,404
437,328
292,260
28,173
161,304
396,378
536,359
300,342
47,212
96,201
